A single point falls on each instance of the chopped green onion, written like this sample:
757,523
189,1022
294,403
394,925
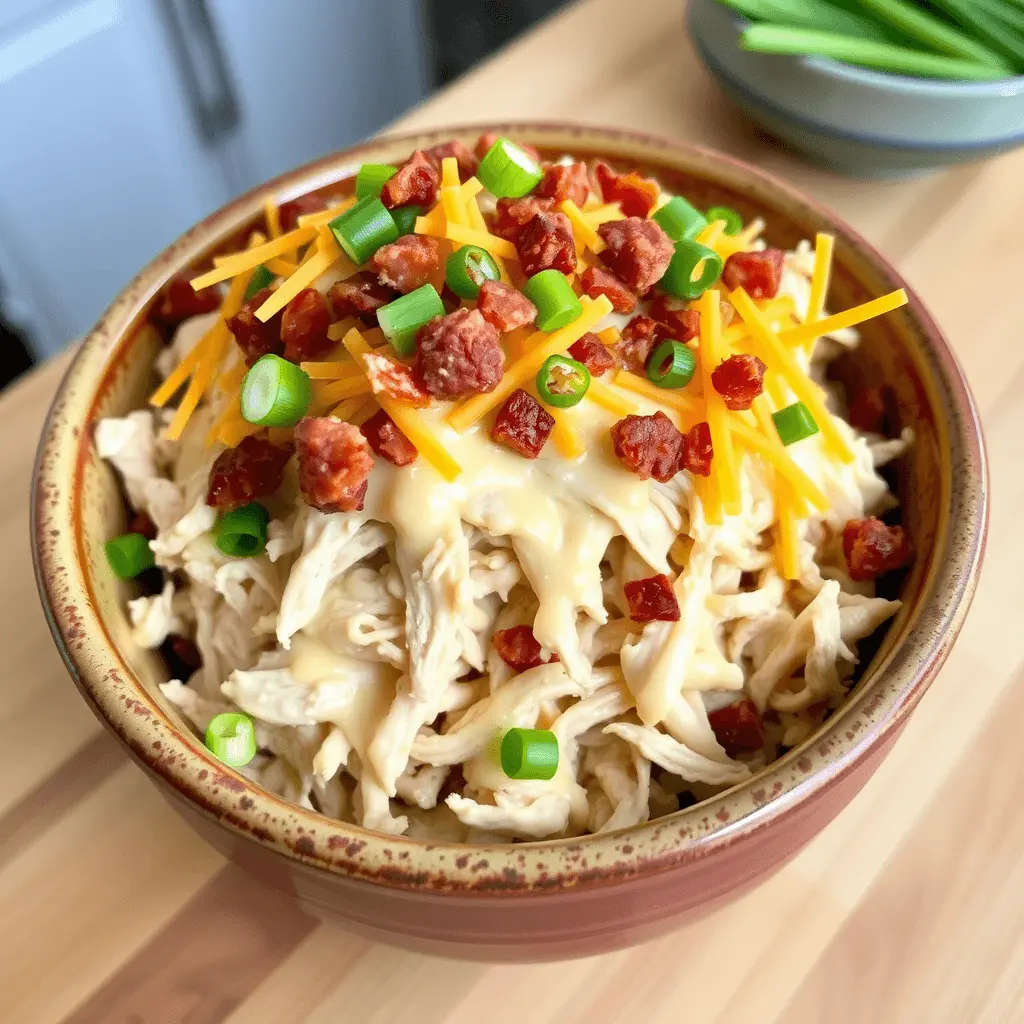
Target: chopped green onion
402,319
733,221
557,304
467,268
529,754
562,382
679,219
231,736
976,18
405,218
242,532
261,278
671,365
128,555
507,171
794,423
362,229
275,392
371,178
693,270
817,14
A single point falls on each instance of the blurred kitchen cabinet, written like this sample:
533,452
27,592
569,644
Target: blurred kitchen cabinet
125,121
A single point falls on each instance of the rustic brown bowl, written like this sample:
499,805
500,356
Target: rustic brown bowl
551,899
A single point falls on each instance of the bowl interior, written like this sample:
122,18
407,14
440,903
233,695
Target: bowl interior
941,485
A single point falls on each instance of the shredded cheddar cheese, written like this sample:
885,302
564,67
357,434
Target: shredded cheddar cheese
492,243
670,398
609,336
227,267
602,214
568,442
322,217
332,371
848,318
304,277
823,248
582,229
272,216
336,390
604,396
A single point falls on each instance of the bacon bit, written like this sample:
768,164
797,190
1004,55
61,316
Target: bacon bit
415,182
523,424
682,322
519,649
635,194
546,243
290,212
758,273
649,446
739,380
636,342
697,450
869,410
597,281
304,324
464,157
394,379
361,295
638,251
181,655
512,215
139,522
738,728
178,300
652,599
408,262
334,464
247,473
387,441
488,139
254,337
565,181
505,307
593,353
872,548
458,355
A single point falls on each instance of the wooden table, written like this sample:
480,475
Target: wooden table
908,908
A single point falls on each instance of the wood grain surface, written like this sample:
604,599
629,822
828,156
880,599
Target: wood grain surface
908,908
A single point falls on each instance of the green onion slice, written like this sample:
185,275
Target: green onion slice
275,392
529,754
794,423
231,736
242,533
557,304
371,178
405,218
467,269
261,278
402,319
733,221
562,382
128,555
671,365
507,171
362,229
679,219
693,270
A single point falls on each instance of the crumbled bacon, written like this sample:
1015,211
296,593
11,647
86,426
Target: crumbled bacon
873,548
637,341
519,649
593,353
649,446
387,441
334,464
738,728
758,273
512,215
178,300
394,379
464,157
523,424
652,599
488,139
290,212
182,656
546,243
505,307
682,322
414,182
360,295
254,337
304,324
869,410
697,449
247,473
597,281
565,181
458,355
638,251
739,380
636,195
409,262
139,522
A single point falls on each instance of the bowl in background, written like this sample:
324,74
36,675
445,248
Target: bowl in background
859,122
543,900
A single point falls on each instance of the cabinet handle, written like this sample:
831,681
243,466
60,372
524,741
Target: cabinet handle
204,71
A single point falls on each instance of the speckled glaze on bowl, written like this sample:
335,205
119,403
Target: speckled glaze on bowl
543,900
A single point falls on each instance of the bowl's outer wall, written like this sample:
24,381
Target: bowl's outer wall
609,889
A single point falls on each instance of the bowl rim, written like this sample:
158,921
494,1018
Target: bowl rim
173,756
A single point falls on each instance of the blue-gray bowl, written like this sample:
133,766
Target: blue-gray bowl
856,121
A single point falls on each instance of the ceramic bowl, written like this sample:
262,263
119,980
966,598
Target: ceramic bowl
856,121
543,900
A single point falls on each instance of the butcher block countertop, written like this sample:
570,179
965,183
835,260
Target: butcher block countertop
908,908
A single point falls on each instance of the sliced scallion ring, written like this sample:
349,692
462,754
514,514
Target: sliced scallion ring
231,737
275,392
671,365
507,171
